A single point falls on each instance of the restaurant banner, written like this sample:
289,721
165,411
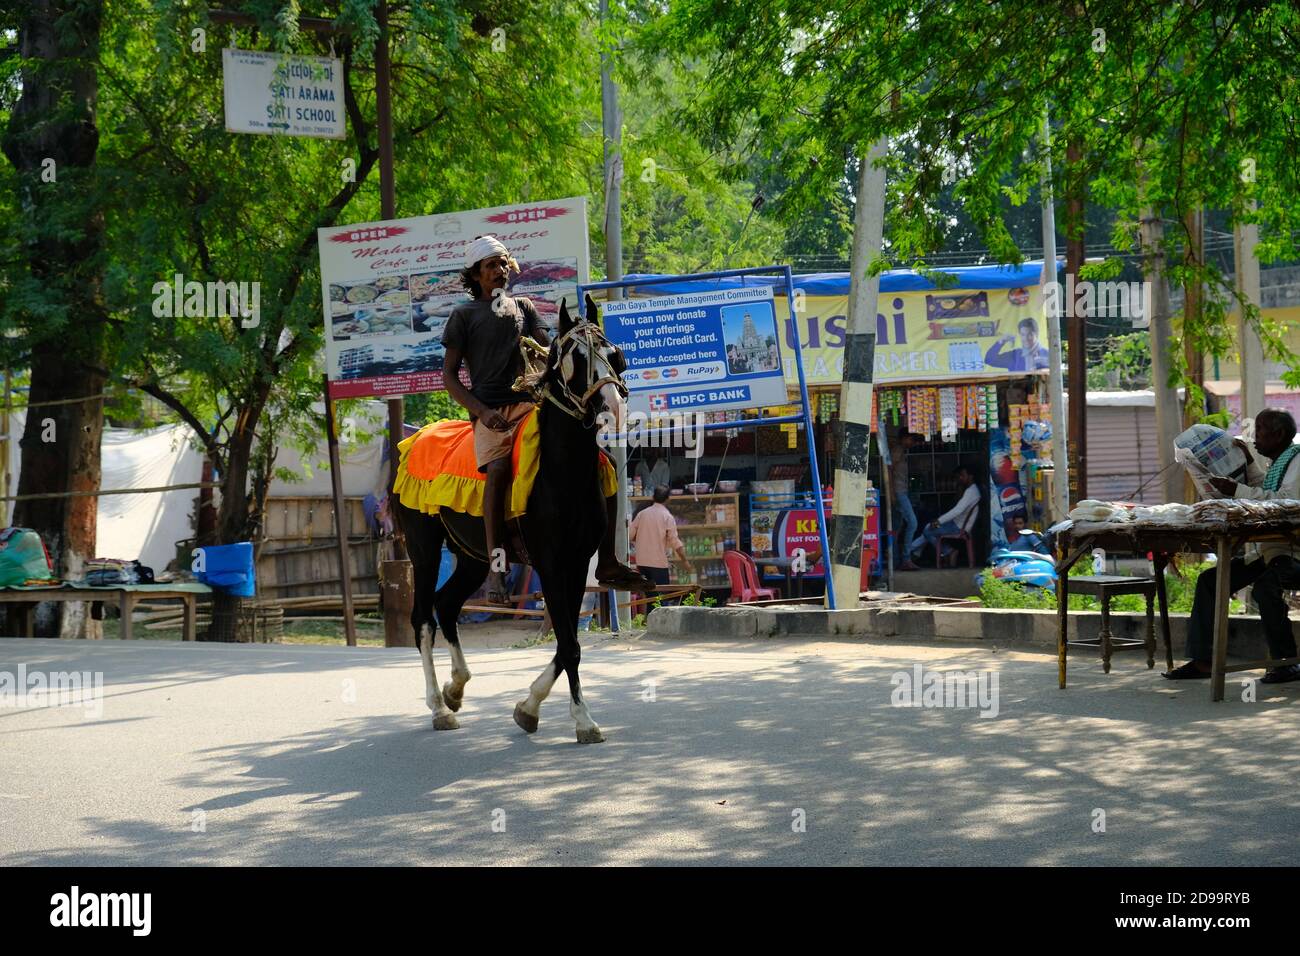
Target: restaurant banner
782,532
388,288
698,351
957,334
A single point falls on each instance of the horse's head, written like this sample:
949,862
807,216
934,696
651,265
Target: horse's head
584,370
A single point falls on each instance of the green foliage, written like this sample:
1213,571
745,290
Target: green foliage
1171,108
1126,361
1179,587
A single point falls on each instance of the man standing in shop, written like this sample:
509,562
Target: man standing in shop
899,478
960,518
654,533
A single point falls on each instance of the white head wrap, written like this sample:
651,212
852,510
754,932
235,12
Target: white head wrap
484,247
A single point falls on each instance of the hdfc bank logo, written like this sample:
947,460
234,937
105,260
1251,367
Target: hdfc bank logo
530,214
658,403
369,235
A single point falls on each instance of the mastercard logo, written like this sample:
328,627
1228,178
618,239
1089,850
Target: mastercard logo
650,375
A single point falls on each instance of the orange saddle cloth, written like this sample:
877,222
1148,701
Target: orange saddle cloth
436,468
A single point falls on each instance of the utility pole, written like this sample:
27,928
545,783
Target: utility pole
1055,380
612,123
1245,236
1169,414
851,482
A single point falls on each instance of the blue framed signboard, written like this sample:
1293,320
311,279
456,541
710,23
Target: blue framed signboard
699,351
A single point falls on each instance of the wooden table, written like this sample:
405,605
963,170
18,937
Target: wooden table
127,596
1162,543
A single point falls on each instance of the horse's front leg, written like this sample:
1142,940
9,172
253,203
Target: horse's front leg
464,581
569,655
443,718
528,710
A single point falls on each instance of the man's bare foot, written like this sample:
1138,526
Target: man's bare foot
496,589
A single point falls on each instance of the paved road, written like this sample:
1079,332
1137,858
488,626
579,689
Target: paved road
320,755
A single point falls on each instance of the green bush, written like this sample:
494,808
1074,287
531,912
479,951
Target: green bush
1180,590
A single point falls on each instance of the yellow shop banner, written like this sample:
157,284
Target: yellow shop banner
955,334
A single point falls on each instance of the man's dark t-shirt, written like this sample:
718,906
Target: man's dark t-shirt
490,344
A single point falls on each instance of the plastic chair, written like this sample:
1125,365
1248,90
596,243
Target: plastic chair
960,537
744,578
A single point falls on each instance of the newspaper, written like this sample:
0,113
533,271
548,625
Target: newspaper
1207,452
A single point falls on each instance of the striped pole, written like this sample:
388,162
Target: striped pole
851,483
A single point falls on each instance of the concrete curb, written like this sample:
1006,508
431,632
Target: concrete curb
925,623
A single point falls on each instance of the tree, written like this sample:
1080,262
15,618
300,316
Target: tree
53,249
474,126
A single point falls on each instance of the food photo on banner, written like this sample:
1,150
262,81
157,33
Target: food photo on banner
388,288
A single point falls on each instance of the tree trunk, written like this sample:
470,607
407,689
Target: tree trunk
233,518
51,140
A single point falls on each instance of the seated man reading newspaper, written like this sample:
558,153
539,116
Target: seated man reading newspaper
1271,568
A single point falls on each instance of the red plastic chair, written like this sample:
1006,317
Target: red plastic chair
744,578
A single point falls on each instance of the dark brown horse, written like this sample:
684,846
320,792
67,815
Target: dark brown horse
561,529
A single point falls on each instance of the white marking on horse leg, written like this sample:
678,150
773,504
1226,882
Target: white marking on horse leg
588,732
540,689
454,690
443,718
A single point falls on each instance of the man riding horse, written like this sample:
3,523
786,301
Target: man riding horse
485,335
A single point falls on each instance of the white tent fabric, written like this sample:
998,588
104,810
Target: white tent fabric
146,527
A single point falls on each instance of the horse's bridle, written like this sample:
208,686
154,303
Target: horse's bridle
604,361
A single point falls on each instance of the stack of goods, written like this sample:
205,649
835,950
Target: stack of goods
111,572
1017,416
828,406
988,407
922,411
890,405
948,413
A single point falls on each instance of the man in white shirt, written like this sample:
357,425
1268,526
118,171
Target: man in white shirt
961,517
1269,567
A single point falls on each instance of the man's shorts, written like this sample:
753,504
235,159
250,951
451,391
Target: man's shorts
490,445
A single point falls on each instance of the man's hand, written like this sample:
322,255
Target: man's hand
494,420
1240,443
1224,486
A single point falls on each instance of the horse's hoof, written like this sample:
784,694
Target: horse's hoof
524,719
446,722
592,736
452,700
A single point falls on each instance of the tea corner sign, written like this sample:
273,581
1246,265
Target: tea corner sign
277,94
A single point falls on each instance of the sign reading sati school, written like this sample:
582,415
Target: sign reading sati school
388,288
278,94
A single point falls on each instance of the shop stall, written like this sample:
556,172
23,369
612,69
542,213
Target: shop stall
961,367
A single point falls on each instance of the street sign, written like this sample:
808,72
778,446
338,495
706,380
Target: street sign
276,94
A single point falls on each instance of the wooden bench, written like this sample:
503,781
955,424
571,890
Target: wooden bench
127,595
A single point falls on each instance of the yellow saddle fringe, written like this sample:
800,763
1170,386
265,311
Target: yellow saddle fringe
460,485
